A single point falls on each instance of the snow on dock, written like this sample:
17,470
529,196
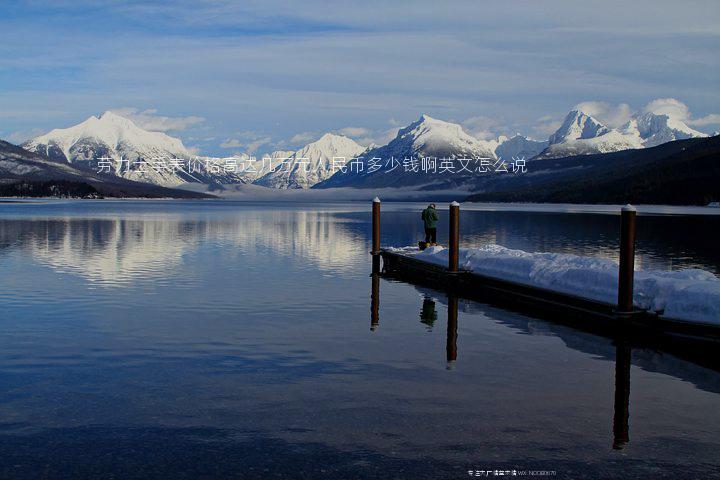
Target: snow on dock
690,294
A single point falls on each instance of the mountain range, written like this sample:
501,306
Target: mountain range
581,134
113,146
115,143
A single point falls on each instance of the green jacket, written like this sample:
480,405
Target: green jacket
430,217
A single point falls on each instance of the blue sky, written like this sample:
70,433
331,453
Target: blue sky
229,76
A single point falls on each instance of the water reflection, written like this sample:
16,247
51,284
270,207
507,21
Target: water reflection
452,328
375,301
250,323
621,428
623,350
119,251
428,314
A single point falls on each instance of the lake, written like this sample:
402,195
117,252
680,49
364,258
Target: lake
206,339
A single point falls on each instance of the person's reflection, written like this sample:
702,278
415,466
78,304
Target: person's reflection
621,429
375,302
452,326
428,314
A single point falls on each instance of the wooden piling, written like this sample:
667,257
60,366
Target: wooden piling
452,327
375,226
375,302
627,260
621,428
454,237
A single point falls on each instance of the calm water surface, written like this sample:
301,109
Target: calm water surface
219,339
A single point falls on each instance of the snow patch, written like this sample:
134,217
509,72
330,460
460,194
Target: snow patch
690,294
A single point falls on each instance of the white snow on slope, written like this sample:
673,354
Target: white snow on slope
653,129
576,126
118,139
432,137
112,130
518,147
311,164
581,134
690,294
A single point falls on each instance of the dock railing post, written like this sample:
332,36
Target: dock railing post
375,252
627,260
454,240
375,226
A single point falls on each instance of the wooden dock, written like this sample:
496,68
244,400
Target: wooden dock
575,311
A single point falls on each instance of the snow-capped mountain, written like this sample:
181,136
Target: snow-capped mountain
38,174
655,129
311,164
518,146
116,146
576,126
581,134
430,137
427,137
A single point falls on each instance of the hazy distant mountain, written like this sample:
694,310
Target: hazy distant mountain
519,146
132,152
31,174
581,134
427,137
311,164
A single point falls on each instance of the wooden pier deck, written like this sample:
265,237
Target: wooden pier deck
571,310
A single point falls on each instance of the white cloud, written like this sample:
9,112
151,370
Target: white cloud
149,119
354,131
676,109
547,125
611,115
232,143
483,128
712,119
671,107
254,145
303,137
21,136
378,138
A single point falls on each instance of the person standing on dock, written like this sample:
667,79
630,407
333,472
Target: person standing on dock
430,219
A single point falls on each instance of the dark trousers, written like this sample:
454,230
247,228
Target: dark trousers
430,235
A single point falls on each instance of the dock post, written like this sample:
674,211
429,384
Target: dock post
454,237
375,252
627,260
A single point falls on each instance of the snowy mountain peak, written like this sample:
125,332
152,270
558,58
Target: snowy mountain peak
110,130
111,136
576,126
332,140
429,136
581,134
655,129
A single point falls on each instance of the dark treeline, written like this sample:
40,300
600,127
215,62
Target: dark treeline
50,188
668,175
